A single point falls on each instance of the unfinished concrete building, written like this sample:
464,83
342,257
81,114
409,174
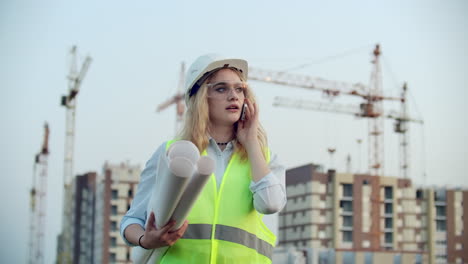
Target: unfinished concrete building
373,219
115,191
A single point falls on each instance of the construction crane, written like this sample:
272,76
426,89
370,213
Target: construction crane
400,126
177,99
38,202
75,78
372,107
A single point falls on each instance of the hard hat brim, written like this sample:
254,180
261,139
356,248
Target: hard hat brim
238,64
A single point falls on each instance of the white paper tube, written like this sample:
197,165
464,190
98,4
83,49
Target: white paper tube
184,148
172,178
170,189
205,167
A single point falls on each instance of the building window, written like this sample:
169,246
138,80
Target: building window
348,257
388,192
388,238
112,257
323,257
347,221
440,225
128,255
419,194
347,190
347,206
388,208
347,236
388,223
114,194
130,193
114,209
113,242
113,226
439,196
418,259
440,211
368,258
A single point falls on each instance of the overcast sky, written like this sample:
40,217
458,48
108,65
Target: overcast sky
137,50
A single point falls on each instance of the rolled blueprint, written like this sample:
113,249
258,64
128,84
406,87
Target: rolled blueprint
170,188
205,166
178,183
174,172
184,148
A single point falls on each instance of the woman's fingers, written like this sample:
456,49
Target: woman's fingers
252,111
151,224
155,238
167,227
177,234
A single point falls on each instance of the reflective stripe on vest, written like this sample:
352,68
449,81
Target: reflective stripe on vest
230,234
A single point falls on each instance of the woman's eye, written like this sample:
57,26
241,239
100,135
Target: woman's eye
239,89
220,89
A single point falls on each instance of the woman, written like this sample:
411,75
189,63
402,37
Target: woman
225,225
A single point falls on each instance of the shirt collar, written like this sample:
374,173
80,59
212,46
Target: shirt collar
213,142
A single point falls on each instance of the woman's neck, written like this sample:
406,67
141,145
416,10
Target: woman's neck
222,134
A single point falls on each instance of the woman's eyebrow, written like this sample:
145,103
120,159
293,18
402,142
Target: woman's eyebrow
221,82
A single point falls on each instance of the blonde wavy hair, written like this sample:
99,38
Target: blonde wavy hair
197,120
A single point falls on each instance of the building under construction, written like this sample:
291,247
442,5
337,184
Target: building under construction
98,204
370,219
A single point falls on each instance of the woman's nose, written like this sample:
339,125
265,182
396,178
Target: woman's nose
232,95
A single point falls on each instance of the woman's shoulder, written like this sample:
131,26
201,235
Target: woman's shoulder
159,150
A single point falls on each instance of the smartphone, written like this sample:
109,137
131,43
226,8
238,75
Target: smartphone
244,107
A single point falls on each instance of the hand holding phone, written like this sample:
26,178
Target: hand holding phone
242,116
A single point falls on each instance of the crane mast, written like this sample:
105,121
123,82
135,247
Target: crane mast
376,124
38,206
75,79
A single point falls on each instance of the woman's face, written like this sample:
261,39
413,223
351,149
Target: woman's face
225,97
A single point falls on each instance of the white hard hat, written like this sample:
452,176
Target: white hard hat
204,65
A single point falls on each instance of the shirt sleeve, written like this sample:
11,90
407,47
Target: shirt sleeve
269,193
137,213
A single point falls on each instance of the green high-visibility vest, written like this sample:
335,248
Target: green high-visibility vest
224,226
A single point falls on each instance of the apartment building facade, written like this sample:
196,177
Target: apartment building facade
115,191
373,219
83,215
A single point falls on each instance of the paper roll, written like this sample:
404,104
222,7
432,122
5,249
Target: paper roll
184,148
175,191
170,190
172,179
205,168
